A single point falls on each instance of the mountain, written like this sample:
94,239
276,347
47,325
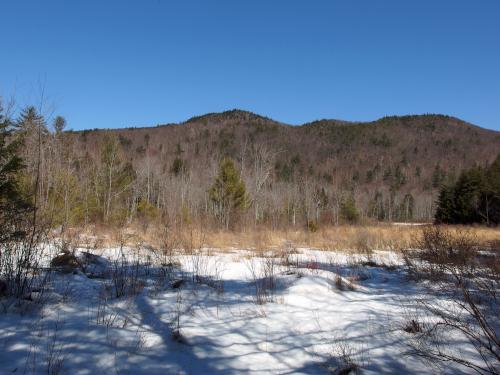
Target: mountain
384,164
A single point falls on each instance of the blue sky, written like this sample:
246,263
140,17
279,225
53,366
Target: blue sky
109,64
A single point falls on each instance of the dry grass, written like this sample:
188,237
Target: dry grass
331,238
344,237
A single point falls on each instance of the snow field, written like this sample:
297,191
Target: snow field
324,311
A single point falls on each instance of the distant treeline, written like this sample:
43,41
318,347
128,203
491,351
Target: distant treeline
236,169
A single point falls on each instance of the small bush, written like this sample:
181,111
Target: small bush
344,359
125,278
439,249
312,226
413,326
264,279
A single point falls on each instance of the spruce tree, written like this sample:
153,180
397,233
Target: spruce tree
474,198
445,212
13,204
228,193
467,196
59,124
348,209
30,122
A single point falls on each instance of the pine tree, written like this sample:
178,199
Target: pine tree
179,167
59,124
438,176
30,121
467,196
348,209
228,193
12,202
445,212
474,198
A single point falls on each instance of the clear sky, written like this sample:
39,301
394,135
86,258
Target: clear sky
132,63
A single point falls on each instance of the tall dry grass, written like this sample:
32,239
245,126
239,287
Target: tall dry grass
354,238
345,237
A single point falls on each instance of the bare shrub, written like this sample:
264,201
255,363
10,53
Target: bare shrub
55,352
205,268
102,314
126,277
263,273
343,359
214,279
21,263
463,300
179,310
438,250
193,239
364,244
139,343
165,254
286,255
199,265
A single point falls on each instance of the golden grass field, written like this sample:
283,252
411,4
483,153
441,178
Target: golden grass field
333,238
348,237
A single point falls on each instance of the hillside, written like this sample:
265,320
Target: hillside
384,163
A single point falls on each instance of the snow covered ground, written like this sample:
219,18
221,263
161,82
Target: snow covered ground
218,314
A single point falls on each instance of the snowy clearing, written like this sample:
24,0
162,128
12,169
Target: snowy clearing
308,312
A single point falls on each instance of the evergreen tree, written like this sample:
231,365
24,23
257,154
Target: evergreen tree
467,196
348,209
228,193
12,202
445,212
59,124
474,198
30,122
438,176
179,167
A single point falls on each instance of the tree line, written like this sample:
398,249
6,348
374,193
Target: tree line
473,198
71,185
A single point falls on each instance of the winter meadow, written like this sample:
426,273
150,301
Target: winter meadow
236,243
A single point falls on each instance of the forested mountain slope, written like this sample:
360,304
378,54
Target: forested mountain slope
389,169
